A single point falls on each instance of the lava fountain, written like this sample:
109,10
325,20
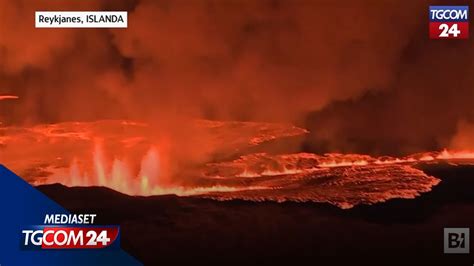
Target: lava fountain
119,175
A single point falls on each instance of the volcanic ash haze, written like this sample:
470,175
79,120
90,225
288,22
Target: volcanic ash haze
238,60
245,60
359,83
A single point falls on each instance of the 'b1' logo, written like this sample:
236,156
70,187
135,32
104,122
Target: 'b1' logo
456,240
449,22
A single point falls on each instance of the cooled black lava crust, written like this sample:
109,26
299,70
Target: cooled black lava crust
170,229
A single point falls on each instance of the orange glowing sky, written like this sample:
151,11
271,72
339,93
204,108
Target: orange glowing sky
359,83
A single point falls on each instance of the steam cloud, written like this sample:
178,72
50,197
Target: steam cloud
365,70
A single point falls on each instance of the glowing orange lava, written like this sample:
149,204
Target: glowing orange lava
262,164
448,155
8,97
128,157
118,174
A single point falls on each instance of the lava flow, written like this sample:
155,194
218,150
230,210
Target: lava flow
344,180
8,97
125,156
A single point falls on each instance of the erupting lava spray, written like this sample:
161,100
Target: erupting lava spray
150,179
116,174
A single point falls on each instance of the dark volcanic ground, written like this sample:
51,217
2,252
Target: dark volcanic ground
170,229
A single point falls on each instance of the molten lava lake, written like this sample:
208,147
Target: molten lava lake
229,161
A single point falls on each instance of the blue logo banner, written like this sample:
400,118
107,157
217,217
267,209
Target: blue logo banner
21,206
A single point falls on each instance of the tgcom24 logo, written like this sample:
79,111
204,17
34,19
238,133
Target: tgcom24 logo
448,22
69,231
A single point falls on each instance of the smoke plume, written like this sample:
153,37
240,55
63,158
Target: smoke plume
365,70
